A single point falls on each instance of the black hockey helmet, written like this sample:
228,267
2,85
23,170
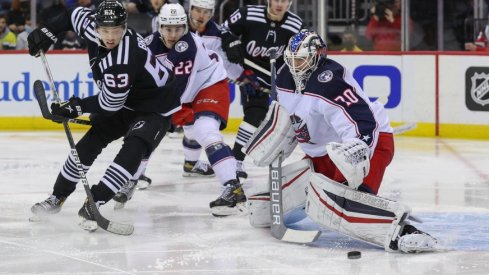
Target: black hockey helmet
110,13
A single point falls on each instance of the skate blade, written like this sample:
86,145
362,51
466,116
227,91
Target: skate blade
223,211
36,218
119,205
142,185
195,175
88,225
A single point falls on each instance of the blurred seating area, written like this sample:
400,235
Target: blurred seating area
350,25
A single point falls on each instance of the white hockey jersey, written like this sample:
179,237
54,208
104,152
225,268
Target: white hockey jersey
194,66
331,108
211,37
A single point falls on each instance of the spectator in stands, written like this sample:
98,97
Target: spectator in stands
87,4
349,41
150,7
384,27
18,15
481,43
70,42
50,9
8,39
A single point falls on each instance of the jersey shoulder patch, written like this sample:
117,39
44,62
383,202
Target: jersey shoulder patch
181,46
325,76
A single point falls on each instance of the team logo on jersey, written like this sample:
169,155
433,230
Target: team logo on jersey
138,125
477,88
181,46
273,35
325,76
300,129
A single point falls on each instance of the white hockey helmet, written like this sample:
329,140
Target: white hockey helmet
205,4
173,14
302,55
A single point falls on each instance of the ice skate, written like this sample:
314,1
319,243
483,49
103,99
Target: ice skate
413,240
197,169
87,218
232,200
143,182
49,206
240,170
125,194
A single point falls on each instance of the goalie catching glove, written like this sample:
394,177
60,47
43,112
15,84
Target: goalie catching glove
274,135
70,109
352,159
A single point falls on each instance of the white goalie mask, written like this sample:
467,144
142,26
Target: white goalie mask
302,55
172,15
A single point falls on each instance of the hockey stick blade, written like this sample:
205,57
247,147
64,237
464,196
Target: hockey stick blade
40,93
401,129
278,228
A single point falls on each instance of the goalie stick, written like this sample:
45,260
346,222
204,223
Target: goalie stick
110,226
239,83
401,129
278,228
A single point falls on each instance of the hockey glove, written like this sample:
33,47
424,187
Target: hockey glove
40,39
233,49
70,109
251,83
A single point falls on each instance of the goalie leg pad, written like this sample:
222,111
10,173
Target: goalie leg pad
274,135
295,178
356,214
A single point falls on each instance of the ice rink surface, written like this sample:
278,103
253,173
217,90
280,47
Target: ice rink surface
445,181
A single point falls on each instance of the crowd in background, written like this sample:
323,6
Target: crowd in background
381,31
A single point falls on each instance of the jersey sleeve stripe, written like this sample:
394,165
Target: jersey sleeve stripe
295,20
119,53
257,14
257,19
290,28
126,48
109,60
111,101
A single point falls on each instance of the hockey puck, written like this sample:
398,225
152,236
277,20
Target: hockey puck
354,255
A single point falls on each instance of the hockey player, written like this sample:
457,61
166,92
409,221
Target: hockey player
200,22
200,14
135,101
201,76
248,36
348,144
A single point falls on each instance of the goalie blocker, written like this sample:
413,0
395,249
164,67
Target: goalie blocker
337,207
274,135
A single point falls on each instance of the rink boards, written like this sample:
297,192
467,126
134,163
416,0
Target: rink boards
445,94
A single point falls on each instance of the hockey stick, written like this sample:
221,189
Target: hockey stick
110,226
43,105
240,83
404,128
278,228
257,67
